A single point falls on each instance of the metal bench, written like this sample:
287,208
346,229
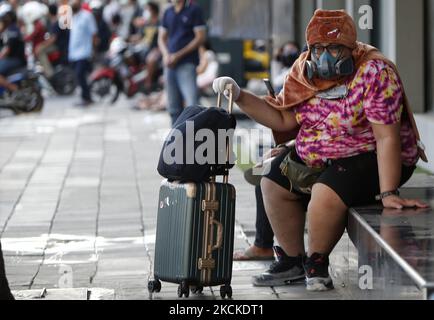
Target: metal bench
391,252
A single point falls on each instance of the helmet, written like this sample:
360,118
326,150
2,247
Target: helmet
33,11
117,45
95,4
5,9
7,14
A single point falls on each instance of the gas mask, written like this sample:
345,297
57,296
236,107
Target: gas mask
328,67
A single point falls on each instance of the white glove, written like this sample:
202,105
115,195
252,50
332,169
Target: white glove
220,84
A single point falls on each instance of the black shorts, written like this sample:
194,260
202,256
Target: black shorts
355,180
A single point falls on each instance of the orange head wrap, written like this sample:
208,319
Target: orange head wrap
332,26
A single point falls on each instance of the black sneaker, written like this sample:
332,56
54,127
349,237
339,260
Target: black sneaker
317,273
283,271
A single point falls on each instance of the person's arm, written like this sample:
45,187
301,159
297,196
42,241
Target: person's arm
4,52
260,111
162,44
257,108
383,109
390,164
389,155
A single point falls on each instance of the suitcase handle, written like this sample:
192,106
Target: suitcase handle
229,87
219,242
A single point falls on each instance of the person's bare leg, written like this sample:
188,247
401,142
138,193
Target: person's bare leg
327,220
254,253
286,216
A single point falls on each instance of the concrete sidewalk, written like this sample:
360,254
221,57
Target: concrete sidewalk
78,205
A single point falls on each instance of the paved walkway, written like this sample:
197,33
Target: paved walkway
78,204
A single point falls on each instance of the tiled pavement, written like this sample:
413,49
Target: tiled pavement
78,195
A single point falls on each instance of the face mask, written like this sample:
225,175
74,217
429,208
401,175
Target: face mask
288,59
328,67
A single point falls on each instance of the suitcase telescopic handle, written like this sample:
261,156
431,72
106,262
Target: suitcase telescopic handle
219,241
230,88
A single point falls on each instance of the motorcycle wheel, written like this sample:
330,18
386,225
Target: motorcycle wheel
34,102
64,82
104,90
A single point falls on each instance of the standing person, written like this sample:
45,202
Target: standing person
81,40
181,33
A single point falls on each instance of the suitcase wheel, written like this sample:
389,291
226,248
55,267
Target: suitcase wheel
196,289
226,291
154,286
183,290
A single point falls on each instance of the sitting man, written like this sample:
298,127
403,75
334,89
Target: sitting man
355,127
57,40
12,54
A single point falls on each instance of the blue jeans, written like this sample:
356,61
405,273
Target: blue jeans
7,65
181,87
82,69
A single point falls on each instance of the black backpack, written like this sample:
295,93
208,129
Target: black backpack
183,166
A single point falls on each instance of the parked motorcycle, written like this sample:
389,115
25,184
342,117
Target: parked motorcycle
27,98
124,71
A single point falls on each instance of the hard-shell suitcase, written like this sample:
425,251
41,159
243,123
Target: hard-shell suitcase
195,235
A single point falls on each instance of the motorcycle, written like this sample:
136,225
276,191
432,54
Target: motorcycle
27,98
123,72
63,80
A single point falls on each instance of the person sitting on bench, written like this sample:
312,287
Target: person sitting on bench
355,126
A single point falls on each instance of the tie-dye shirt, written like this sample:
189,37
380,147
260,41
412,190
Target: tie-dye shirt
335,129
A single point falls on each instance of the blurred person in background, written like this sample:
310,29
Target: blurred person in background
110,9
34,16
104,33
57,39
82,37
147,41
181,33
282,63
12,52
128,13
207,70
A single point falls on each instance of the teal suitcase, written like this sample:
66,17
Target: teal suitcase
195,237
195,234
